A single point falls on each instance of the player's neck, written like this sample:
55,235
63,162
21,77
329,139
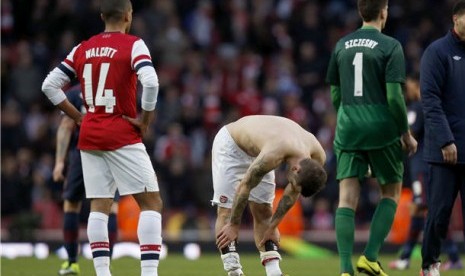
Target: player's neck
111,28
372,25
295,160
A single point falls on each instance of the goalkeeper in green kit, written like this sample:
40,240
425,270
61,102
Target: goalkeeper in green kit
365,72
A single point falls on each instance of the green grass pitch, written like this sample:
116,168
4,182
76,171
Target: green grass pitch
207,265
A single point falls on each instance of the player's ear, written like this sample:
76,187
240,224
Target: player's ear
384,11
127,16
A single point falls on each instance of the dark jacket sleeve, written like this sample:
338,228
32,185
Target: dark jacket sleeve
432,78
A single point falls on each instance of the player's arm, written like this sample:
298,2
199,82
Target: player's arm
54,83
142,64
332,77
64,133
432,78
290,195
265,162
396,105
318,153
336,96
52,88
395,75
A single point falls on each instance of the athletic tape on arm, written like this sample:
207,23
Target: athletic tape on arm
52,85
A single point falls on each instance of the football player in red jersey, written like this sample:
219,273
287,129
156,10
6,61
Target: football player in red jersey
113,155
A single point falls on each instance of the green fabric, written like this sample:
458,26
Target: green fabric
380,226
336,96
386,164
368,27
345,228
361,65
396,103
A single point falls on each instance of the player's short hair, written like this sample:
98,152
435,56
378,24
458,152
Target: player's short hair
114,10
459,8
370,9
311,177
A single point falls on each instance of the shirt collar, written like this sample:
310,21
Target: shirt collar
456,38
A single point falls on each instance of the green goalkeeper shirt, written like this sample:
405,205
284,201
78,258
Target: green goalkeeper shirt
361,66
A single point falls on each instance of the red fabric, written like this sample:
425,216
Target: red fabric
101,130
96,245
268,260
150,247
139,58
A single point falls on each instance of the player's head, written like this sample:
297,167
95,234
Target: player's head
373,10
309,175
117,12
458,16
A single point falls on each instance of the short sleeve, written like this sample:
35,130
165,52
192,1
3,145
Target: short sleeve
140,55
67,65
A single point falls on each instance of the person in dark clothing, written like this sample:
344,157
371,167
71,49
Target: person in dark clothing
442,85
417,177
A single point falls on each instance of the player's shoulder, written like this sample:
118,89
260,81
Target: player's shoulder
435,50
128,37
113,36
389,39
340,43
437,44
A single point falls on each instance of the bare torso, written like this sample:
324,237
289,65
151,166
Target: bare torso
280,136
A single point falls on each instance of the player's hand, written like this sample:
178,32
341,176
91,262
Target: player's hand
58,172
271,234
228,233
78,120
449,153
138,123
409,144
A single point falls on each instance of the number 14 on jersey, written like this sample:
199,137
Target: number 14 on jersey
103,97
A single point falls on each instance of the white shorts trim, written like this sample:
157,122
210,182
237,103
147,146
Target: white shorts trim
229,165
127,169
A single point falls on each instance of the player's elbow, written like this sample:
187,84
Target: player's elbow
52,91
148,77
46,86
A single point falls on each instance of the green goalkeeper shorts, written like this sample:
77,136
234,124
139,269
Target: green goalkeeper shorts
386,164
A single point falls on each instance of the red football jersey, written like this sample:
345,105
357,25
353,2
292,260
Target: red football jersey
106,66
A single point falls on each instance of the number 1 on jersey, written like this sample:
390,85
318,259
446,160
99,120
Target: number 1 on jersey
104,97
358,74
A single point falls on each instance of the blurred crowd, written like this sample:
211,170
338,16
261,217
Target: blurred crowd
217,60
